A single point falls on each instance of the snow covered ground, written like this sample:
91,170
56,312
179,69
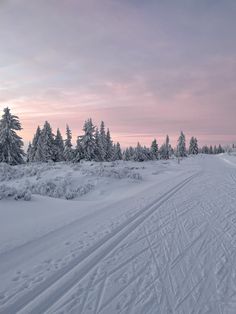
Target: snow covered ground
153,237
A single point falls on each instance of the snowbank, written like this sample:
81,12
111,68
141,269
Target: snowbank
61,180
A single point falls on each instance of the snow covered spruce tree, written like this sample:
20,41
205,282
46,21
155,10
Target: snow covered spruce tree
78,153
98,154
46,147
215,150
117,155
11,145
28,154
141,153
102,142
59,147
220,150
34,146
181,147
193,146
165,149
138,153
205,149
154,149
109,147
68,150
126,155
87,141
211,150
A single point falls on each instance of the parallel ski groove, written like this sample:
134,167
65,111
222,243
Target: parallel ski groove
47,293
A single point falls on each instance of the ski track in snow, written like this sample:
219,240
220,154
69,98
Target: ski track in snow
176,255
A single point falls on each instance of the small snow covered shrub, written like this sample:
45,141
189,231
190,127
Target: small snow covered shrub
6,191
112,172
60,188
17,194
84,189
51,187
8,172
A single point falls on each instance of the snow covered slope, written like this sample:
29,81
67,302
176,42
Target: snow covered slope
154,238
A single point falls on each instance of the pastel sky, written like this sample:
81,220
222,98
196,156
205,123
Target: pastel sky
146,67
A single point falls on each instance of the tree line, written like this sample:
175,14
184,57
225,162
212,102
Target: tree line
95,144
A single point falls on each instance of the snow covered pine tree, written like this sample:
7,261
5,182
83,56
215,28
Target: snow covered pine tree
68,150
154,149
193,146
34,146
165,149
59,147
46,146
87,140
181,148
11,145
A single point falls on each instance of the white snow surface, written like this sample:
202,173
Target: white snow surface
122,237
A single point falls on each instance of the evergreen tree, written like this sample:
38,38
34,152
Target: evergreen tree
59,147
126,155
193,146
79,153
147,153
46,147
131,152
98,156
38,157
165,150
29,153
211,150
109,149
140,153
181,148
102,142
220,150
196,149
11,145
205,149
88,140
68,151
35,145
154,149
117,152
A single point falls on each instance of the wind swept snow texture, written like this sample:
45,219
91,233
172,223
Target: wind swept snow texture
163,244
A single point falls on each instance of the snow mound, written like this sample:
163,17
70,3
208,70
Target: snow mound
64,180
